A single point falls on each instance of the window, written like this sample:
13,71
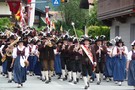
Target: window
132,32
117,31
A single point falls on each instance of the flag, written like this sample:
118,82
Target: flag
18,15
61,28
29,1
14,6
47,20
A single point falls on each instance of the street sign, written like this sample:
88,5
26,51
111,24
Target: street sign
56,2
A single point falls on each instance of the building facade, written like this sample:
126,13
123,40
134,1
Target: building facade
4,9
120,16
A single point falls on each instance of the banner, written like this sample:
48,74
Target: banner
29,2
14,6
47,15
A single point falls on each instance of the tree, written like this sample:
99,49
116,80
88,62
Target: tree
72,13
92,18
95,26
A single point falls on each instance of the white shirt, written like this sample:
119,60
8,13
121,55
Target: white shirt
1,47
34,49
130,55
14,54
115,50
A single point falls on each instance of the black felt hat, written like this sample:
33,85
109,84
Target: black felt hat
75,41
98,39
109,44
70,39
12,37
85,38
21,40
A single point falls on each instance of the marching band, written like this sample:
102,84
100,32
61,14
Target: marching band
52,53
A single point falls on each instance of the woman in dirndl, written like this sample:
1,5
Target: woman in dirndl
109,62
131,66
57,62
120,53
19,63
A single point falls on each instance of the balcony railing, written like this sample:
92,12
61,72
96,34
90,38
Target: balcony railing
110,7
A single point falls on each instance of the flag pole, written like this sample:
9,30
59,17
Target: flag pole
73,24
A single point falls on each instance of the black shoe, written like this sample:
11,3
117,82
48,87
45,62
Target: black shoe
64,79
22,85
88,84
75,82
9,81
59,77
70,80
77,79
47,81
43,80
110,79
98,83
3,74
7,76
86,87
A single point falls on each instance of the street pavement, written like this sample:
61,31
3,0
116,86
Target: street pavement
33,83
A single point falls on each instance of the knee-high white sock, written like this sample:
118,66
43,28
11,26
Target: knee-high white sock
70,75
85,81
46,75
50,73
78,75
63,73
43,75
74,76
98,77
10,75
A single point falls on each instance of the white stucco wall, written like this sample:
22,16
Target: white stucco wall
124,31
4,9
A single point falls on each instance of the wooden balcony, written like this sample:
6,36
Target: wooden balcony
115,8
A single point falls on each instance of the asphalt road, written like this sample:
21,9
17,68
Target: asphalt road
33,83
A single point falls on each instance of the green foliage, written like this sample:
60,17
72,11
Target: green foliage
79,33
92,18
4,22
72,13
95,26
99,30
40,28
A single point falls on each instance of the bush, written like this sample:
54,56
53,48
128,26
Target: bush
4,23
99,30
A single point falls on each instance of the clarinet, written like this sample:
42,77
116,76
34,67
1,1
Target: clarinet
120,49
